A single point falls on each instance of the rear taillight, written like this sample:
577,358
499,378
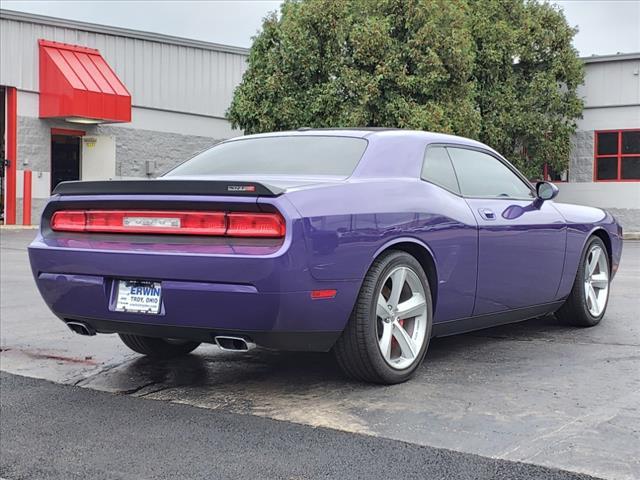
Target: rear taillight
119,221
255,225
70,221
270,225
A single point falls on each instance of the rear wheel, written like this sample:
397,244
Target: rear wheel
158,347
589,297
389,330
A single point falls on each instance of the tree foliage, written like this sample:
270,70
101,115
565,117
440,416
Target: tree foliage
501,71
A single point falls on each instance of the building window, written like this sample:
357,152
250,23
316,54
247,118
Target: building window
617,156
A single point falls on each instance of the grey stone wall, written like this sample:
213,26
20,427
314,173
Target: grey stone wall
134,148
34,143
581,157
37,206
165,150
629,218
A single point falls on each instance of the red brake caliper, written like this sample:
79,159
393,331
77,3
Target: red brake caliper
394,342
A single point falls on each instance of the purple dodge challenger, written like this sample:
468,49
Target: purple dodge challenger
367,242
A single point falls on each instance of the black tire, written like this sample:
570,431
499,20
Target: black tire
575,310
357,350
158,347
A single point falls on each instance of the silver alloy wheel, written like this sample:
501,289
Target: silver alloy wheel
596,280
401,315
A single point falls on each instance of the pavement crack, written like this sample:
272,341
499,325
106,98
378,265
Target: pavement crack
103,370
163,388
134,390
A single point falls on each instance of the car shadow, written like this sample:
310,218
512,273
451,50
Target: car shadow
543,328
208,366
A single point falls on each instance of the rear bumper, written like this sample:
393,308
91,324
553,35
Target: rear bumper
264,298
279,340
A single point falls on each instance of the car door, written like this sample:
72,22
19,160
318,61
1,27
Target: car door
454,244
521,241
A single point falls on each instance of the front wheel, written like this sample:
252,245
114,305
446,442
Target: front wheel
390,327
158,347
588,299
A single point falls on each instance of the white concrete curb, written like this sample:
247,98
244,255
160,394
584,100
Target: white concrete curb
18,227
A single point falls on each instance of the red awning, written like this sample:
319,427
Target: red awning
76,82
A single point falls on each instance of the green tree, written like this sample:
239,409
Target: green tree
501,71
526,75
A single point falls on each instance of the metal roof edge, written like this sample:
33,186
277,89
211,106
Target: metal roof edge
173,40
119,31
614,57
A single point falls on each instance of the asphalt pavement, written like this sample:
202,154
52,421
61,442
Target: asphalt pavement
51,431
536,392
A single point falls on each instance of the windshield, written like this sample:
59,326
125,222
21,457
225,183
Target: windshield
286,155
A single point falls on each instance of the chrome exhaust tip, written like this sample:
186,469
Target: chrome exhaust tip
233,344
81,328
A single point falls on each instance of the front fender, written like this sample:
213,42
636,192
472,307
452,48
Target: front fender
590,221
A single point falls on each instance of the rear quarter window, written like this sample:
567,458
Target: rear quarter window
437,169
285,155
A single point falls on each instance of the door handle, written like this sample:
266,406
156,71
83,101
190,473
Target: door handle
487,214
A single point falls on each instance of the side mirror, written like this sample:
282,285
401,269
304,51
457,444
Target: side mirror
546,191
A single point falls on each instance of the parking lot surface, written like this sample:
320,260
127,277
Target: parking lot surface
535,392
98,435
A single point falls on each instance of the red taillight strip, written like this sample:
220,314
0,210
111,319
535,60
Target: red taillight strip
255,225
233,224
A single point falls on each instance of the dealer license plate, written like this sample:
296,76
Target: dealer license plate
138,296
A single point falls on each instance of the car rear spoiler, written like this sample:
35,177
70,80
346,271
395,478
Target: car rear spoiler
168,187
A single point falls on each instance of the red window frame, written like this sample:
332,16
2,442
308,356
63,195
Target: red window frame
618,156
68,132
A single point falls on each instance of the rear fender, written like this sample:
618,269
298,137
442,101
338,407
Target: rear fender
423,250
396,241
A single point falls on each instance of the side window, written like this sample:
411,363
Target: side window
482,175
437,169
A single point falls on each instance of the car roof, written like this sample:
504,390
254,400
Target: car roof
369,132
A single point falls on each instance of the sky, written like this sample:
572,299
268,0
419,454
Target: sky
606,26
